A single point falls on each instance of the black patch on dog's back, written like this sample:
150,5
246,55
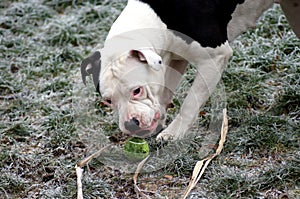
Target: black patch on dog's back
203,20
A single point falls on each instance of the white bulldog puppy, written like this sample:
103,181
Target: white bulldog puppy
147,50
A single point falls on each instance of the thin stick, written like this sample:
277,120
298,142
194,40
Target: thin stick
202,164
135,178
83,162
79,170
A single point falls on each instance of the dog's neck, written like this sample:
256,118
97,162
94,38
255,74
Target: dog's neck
137,27
136,15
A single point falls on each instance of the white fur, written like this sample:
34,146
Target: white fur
136,15
139,28
245,16
121,72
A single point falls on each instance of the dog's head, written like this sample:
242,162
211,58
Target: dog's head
133,84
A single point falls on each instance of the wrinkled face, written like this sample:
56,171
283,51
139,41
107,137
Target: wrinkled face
136,91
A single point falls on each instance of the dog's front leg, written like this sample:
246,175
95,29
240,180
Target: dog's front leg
210,64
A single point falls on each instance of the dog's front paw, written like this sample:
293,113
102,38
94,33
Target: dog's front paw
173,132
165,136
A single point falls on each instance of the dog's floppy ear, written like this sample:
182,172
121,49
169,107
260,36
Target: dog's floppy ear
149,56
91,65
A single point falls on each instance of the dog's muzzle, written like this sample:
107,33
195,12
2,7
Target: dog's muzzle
133,126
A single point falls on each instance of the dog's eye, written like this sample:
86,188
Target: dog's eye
137,92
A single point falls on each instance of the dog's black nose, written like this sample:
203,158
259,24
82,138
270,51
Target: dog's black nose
132,125
135,121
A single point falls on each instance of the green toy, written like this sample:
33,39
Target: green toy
136,148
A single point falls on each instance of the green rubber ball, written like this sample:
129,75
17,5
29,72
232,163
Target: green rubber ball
136,148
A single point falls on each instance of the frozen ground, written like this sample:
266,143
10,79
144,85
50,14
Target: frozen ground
48,124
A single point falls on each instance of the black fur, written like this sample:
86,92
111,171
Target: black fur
203,20
94,64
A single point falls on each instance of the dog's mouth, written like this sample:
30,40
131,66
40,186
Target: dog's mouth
146,132
154,127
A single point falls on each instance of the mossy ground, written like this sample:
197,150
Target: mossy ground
41,46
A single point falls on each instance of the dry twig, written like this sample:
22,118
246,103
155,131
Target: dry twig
79,170
135,177
202,164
